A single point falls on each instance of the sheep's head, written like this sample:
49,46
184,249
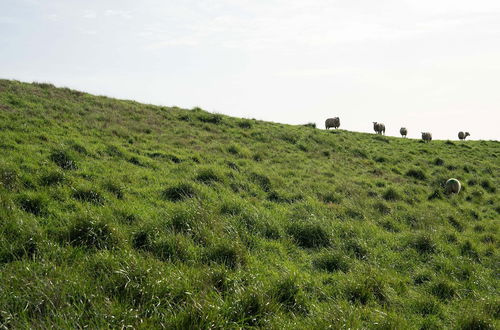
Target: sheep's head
467,134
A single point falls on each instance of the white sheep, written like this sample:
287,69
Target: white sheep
462,135
403,131
332,122
452,186
379,128
426,136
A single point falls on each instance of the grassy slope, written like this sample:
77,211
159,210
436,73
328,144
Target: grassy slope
117,213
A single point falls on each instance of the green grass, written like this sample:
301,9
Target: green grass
115,213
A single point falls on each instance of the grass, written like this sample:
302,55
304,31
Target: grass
118,214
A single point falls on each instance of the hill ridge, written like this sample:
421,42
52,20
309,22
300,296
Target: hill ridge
115,213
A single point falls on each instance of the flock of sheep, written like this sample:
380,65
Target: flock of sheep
452,186
379,128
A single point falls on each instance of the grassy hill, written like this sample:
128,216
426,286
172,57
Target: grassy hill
115,213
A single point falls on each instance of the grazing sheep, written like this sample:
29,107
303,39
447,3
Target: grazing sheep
426,136
462,135
379,128
403,131
452,186
332,122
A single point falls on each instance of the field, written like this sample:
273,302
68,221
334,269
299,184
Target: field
120,214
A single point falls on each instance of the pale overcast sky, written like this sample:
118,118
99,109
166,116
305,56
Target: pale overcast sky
429,65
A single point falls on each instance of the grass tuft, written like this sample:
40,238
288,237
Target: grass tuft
93,234
309,235
89,196
230,255
331,262
417,174
63,159
179,192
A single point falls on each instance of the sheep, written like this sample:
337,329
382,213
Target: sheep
403,131
462,135
426,136
452,186
332,122
379,128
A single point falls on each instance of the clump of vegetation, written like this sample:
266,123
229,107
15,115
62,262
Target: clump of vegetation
179,192
233,149
33,204
245,124
170,248
63,159
486,184
312,125
289,294
114,189
424,244
416,174
309,235
232,256
52,178
18,240
89,196
208,176
438,162
443,290
382,208
331,262
391,194
8,178
475,322
262,180
367,289
211,118
94,234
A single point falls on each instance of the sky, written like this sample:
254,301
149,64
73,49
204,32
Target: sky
428,65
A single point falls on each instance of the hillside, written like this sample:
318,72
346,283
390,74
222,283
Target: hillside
115,213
